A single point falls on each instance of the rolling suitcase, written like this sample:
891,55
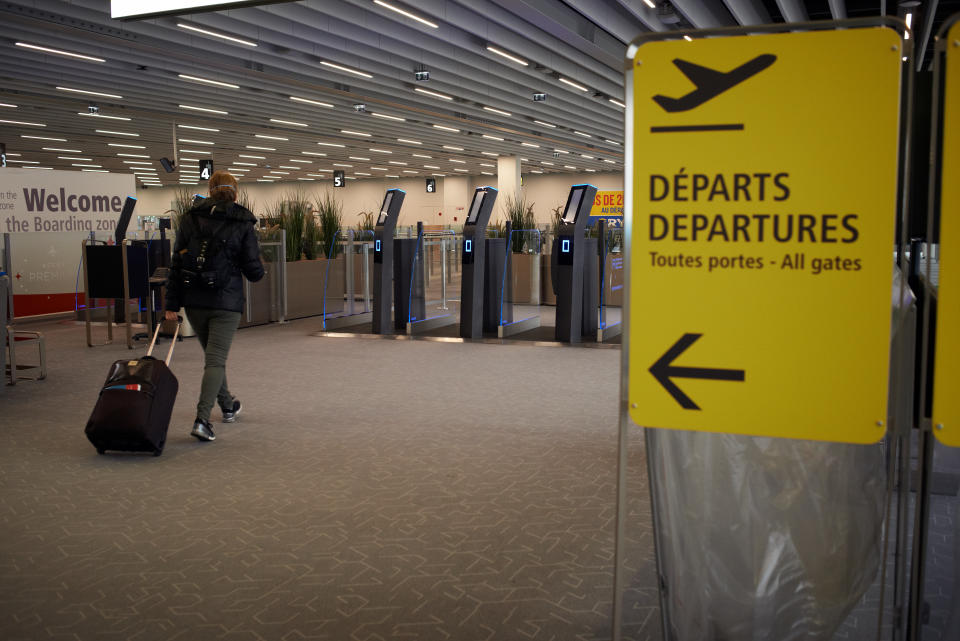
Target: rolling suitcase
133,411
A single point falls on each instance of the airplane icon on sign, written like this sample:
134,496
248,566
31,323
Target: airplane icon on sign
710,82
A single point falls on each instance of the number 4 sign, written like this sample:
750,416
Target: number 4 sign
206,169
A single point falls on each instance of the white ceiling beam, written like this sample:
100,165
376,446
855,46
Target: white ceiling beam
748,12
838,9
792,10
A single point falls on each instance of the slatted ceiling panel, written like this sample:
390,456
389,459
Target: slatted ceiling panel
254,111
574,39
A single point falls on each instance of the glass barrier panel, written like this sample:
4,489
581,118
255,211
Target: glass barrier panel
611,279
521,274
263,298
433,299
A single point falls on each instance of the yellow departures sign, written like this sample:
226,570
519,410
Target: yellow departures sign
764,204
946,376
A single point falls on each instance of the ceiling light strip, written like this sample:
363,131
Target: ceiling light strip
506,55
216,35
407,14
59,52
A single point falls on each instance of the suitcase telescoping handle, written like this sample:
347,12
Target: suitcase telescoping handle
173,342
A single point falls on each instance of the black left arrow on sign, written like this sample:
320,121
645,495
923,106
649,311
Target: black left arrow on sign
663,371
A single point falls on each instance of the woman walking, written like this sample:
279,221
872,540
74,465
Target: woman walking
215,247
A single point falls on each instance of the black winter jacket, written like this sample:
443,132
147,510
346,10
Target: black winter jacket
241,246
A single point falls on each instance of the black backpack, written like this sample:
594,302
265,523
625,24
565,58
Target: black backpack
207,262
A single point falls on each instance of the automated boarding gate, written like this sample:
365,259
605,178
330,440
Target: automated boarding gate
383,260
474,262
576,274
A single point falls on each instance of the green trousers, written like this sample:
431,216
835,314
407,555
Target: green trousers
215,329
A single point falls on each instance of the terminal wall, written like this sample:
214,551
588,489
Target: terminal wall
444,207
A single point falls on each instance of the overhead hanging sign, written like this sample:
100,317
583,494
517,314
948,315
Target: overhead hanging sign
763,212
128,9
946,376
206,169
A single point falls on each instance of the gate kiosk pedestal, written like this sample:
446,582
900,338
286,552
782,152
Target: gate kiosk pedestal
474,262
383,260
573,266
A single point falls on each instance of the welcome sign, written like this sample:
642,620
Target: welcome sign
48,213
35,200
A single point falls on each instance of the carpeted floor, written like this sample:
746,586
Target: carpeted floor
370,490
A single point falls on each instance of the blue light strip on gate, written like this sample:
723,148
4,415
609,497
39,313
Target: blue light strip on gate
416,255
